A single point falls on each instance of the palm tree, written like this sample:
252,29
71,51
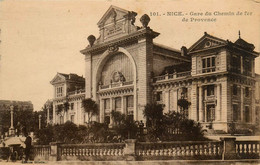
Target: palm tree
90,107
184,106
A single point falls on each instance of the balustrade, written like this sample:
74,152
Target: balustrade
172,76
150,151
77,92
42,152
179,150
113,85
248,149
111,149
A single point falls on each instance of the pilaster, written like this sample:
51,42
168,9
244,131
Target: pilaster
218,107
201,117
194,101
88,76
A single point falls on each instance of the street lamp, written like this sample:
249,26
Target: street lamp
11,129
40,118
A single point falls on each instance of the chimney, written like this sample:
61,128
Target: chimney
183,51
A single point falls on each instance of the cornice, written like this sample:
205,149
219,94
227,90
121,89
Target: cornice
144,32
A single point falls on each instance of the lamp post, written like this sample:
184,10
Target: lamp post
40,118
11,129
48,114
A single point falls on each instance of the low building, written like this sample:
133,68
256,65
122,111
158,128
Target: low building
69,89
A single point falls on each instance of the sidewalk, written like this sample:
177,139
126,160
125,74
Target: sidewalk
161,162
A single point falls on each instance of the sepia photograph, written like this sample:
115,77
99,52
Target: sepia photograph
129,82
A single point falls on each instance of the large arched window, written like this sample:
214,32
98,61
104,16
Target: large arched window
117,68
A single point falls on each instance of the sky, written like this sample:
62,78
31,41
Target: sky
42,37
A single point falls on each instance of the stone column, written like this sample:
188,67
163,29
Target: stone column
124,111
175,98
122,104
242,104
218,107
102,111
111,108
242,69
201,117
11,129
88,76
167,101
194,101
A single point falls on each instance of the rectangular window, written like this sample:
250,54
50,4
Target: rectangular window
130,101
59,91
72,106
247,67
247,114
210,90
159,96
118,102
210,113
247,93
236,64
236,112
234,89
106,103
72,118
61,119
184,92
208,64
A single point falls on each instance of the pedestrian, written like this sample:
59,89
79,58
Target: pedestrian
28,146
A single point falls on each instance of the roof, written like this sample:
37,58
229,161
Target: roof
72,77
167,47
244,44
109,10
183,67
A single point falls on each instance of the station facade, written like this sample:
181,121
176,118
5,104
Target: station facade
125,70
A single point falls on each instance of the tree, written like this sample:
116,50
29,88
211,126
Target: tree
124,126
90,107
117,117
170,126
154,120
184,106
180,128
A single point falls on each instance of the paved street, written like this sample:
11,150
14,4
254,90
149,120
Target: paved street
171,162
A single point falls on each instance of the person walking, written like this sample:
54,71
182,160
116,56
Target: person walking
28,146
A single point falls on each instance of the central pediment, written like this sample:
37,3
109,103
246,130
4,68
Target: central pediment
116,22
112,15
59,78
207,42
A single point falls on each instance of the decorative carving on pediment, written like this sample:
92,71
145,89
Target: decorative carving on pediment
112,48
58,79
131,16
209,43
113,15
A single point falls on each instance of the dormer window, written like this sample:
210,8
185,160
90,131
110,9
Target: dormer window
208,64
59,91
